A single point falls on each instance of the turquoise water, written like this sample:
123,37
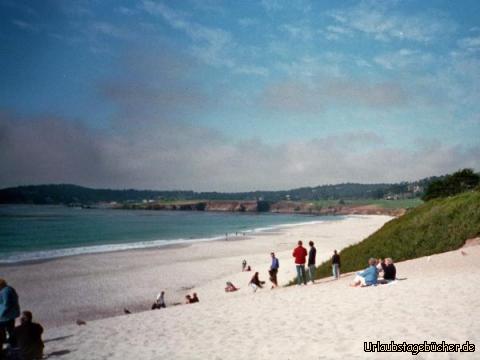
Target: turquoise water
42,232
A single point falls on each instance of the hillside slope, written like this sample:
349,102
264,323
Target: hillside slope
434,227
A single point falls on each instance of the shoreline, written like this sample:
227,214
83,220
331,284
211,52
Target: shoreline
49,255
93,286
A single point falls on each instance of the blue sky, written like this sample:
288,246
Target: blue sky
237,95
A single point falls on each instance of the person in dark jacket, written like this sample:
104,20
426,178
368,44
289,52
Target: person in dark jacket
389,270
336,265
9,311
29,337
312,253
300,255
255,282
274,270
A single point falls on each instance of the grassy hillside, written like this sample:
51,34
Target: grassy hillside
436,226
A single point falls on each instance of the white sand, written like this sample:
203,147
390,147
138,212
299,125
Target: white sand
438,301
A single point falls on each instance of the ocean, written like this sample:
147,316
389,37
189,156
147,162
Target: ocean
30,233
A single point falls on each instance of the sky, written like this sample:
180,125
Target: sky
237,95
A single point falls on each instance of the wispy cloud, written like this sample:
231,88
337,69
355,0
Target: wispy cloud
470,43
404,58
377,20
210,44
24,25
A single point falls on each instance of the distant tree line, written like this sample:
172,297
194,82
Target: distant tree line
73,194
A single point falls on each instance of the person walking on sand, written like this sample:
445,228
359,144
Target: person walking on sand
336,265
9,311
274,270
300,255
312,253
244,264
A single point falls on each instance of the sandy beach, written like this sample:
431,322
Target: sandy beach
437,301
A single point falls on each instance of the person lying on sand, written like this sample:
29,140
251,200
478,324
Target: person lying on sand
255,282
367,277
230,287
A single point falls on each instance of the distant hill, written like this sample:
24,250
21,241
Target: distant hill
68,194
436,226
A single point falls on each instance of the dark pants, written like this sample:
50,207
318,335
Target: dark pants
273,276
7,327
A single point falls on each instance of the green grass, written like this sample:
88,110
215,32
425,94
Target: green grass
386,204
436,226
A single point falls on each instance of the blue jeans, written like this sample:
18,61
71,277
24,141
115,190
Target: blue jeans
301,276
311,272
336,271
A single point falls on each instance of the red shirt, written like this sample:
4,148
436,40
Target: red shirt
300,255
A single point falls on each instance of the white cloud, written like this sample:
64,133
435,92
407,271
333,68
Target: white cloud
375,19
23,25
175,156
470,43
211,45
404,58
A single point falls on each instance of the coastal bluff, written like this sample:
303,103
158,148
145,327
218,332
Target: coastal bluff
280,207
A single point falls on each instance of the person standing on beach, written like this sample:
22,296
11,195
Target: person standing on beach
274,270
300,255
9,311
244,264
336,265
312,253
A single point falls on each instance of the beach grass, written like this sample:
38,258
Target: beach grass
436,226
382,203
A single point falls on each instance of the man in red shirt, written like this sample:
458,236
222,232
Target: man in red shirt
300,255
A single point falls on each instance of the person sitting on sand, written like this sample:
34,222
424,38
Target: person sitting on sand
389,270
159,301
230,287
248,268
244,264
194,298
255,282
188,299
367,277
29,337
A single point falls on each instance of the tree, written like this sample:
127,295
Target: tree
462,180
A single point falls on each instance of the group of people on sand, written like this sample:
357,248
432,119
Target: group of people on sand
23,341
370,275
191,299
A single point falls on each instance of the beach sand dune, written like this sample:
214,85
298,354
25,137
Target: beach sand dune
438,301
96,286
